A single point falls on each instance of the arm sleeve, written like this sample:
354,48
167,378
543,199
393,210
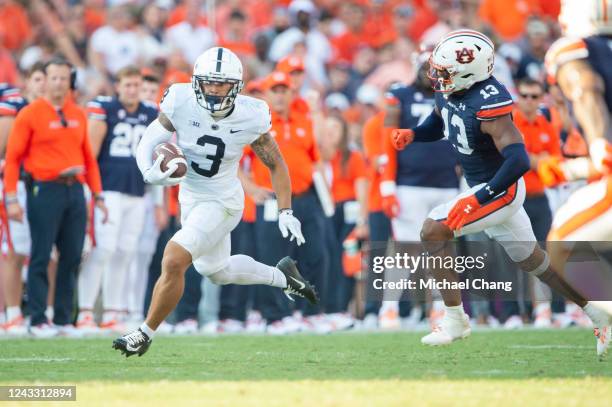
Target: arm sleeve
155,134
516,163
17,146
432,129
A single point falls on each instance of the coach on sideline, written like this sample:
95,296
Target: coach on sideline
49,137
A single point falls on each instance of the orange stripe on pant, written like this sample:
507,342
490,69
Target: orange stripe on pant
494,205
582,218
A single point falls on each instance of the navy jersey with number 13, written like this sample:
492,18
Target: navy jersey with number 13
462,113
116,159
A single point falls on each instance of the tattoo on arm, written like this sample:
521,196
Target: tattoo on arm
267,150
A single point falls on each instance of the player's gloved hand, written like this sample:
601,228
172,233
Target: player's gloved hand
390,206
400,138
156,176
289,224
550,171
461,212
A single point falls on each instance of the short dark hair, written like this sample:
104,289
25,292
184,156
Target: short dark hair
150,78
57,60
527,81
37,67
237,15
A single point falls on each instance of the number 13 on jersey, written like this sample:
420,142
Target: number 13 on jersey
456,128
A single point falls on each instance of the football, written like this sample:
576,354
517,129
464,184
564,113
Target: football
172,154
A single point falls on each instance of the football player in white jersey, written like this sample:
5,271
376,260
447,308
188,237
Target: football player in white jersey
213,124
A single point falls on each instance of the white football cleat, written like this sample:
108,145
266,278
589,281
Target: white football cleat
602,327
449,330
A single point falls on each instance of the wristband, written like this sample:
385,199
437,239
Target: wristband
289,210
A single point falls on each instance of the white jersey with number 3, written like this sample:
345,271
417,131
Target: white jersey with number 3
213,148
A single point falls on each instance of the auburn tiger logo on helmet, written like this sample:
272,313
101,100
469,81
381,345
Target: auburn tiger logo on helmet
465,56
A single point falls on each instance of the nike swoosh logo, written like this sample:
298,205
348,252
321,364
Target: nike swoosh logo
232,131
130,348
301,284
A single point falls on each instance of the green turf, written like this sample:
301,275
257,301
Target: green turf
487,354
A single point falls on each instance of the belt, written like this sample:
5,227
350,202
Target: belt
69,180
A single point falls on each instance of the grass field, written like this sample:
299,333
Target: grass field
506,368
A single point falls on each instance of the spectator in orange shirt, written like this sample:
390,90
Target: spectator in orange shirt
349,189
15,29
541,140
188,7
49,138
346,44
294,135
508,17
234,36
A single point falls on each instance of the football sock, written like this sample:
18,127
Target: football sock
244,270
145,328
455,311
12,313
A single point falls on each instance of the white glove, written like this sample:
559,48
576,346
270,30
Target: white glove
156,176
287,223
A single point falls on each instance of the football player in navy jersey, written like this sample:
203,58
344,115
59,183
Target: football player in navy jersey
473,110
115,126
16,235
413,184
580,62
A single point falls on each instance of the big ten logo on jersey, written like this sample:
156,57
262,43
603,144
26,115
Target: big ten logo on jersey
126,136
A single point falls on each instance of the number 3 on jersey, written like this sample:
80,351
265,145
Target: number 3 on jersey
215,158
456,122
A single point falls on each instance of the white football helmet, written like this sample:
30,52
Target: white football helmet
217,65
581,18
461,59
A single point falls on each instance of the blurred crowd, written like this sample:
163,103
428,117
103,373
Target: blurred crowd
338,58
